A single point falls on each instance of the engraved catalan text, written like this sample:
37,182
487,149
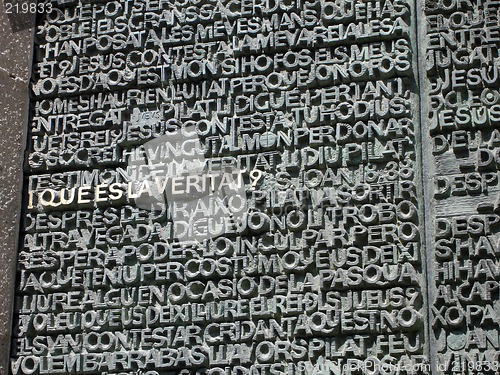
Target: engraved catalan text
462,68
232,188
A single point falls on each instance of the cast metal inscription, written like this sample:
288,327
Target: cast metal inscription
461,64
227,187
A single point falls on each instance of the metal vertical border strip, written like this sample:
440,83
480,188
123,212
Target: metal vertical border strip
427,170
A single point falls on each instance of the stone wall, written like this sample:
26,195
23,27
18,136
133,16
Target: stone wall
15,62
